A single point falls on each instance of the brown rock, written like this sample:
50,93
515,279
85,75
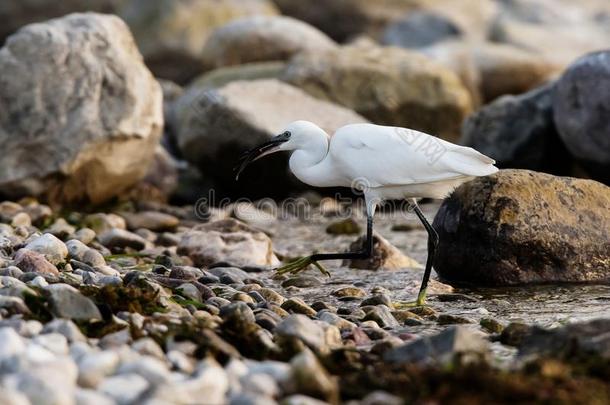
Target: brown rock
30,261
385,256
519,226
387,85
227,240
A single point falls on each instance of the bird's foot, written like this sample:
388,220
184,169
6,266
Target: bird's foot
419,302
301,264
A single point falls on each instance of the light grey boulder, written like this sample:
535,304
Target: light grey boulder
262,38
81,113
214,126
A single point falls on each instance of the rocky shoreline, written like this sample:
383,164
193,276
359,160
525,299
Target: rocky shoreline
101,308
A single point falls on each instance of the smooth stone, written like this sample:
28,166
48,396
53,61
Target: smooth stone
311,333
349,291
119,239
67,302
151,220
455,343
302,282
124,389
53,249
298,306
30,261
310,376
383,316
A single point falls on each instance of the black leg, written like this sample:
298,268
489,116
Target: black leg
432,245
364,254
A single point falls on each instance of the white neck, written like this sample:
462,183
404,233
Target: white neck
306,162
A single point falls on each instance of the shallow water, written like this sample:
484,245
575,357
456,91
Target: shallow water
548,306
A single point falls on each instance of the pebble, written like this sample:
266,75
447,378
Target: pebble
298,306
119,239
85,235
30,261
53,249
67,302
21,219
350,291
382,315
151,220
61,228
124,389
302,282
446,319
378,299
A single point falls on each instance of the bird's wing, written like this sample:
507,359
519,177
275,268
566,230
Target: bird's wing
391,156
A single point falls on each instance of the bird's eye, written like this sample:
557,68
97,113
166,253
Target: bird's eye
287,134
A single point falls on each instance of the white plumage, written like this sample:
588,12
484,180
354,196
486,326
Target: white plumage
385,162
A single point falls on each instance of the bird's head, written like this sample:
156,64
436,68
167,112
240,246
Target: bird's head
296,135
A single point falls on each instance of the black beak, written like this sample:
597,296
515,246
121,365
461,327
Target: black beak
255,153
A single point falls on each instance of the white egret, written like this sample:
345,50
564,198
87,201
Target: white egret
383,163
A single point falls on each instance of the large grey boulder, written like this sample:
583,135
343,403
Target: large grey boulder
171,34
581,106
518,132
387,85
214,126
262,38
81,115
522,227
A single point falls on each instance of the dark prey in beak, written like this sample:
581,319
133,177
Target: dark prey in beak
251,155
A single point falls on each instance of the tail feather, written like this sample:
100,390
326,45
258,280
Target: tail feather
471,162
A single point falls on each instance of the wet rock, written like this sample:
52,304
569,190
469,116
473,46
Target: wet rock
262,38
383,316
298,306
589,337
227,240
491,325
302,282
53,249
580,110
344,227
318,336
151,220
67,302
385,256
378,299
522,227
311,378
336,320
229,275
171,36
186,273
447,319
121,239
518,132
239,116
514,334
272,296
116,113
30,261
454,344
350,291
365,78
407,317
